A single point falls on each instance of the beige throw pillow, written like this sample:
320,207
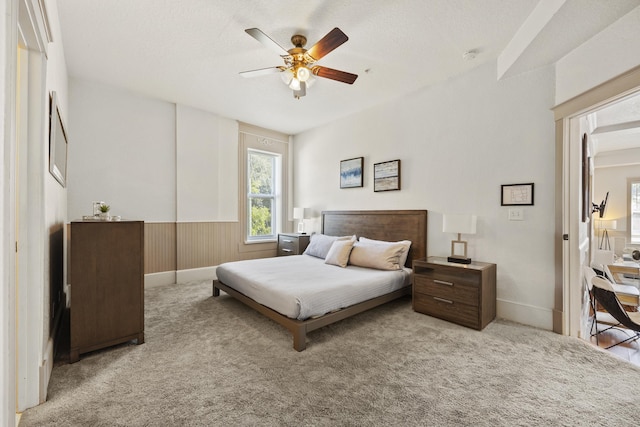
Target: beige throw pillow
339,253
320,244
405,243
381,257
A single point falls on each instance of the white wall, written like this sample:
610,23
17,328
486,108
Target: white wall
614,180
8,37
458,142
207,166
610,53
121,151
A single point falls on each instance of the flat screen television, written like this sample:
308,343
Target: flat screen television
57,143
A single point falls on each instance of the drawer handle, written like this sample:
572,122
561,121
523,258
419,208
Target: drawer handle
440,282
287,241
286,250
443,300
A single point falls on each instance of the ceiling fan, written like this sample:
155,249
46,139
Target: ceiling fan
300,67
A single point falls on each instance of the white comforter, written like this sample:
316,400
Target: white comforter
302,286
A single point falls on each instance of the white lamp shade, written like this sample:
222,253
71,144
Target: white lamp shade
298,213
610,224
459,223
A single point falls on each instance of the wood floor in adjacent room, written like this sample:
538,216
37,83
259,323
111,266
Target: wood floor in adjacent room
629,350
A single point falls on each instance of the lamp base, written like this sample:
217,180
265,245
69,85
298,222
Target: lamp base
459,260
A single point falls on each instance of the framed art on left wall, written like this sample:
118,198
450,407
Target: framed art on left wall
57,143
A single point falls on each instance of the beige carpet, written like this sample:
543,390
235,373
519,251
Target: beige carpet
215,362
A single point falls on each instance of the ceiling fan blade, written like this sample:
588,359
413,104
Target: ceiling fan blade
330,73
266,41
332,40
262,72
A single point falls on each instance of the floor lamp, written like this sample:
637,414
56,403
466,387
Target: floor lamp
606,225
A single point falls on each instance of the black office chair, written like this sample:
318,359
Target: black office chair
605,295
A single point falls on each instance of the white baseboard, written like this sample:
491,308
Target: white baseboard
205,273
159,279
526,314
180,276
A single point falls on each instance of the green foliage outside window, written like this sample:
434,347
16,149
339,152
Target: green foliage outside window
261,193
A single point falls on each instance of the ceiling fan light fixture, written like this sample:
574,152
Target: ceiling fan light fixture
295,84
287,76
310,81
303,74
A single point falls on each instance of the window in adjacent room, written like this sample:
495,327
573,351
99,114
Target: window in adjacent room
263,171
634,210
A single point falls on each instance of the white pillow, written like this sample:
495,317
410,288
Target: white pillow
405,243
320,244
339,253
381,257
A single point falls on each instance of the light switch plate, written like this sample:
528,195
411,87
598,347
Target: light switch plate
516,214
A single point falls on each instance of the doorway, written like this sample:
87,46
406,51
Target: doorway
573,237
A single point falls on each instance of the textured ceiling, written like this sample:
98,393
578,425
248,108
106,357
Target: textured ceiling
191,51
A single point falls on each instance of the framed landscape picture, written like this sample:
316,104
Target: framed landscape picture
386,176
351,172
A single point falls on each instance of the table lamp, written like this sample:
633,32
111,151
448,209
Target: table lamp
461,224
298,213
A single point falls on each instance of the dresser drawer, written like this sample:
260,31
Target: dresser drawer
446,309
456,275
291,244
287,245
463,294
451,289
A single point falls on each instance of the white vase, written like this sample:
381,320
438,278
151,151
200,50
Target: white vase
104,216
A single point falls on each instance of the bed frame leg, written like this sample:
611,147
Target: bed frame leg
299,339
216,291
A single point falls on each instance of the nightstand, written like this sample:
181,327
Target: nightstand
292,243
460,293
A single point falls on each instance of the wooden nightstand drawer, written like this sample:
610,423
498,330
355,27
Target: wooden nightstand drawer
447,289
446,309
464,294
292,244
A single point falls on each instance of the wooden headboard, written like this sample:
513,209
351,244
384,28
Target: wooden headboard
381,225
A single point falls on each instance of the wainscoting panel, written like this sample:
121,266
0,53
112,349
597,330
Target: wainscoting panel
159,247
204,244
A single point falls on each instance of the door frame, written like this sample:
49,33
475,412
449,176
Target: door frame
568,277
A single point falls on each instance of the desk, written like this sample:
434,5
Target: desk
626,275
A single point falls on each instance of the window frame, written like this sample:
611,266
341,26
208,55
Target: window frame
630,184
275,196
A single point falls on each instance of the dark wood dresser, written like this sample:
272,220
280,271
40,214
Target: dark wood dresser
292,243
107,284
460,293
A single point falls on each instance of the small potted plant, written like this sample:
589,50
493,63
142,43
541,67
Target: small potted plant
104,211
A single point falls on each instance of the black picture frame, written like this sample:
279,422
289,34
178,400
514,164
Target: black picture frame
351,171
517,194
386,176
586,180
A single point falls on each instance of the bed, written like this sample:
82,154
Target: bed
387,225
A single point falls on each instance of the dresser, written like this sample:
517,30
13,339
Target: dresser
106,279
460,293
292,243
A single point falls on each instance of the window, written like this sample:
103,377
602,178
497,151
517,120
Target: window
634,209
262,193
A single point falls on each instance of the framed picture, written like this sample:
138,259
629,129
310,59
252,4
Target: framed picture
386,176
351,172
57,143
586,180
517,194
